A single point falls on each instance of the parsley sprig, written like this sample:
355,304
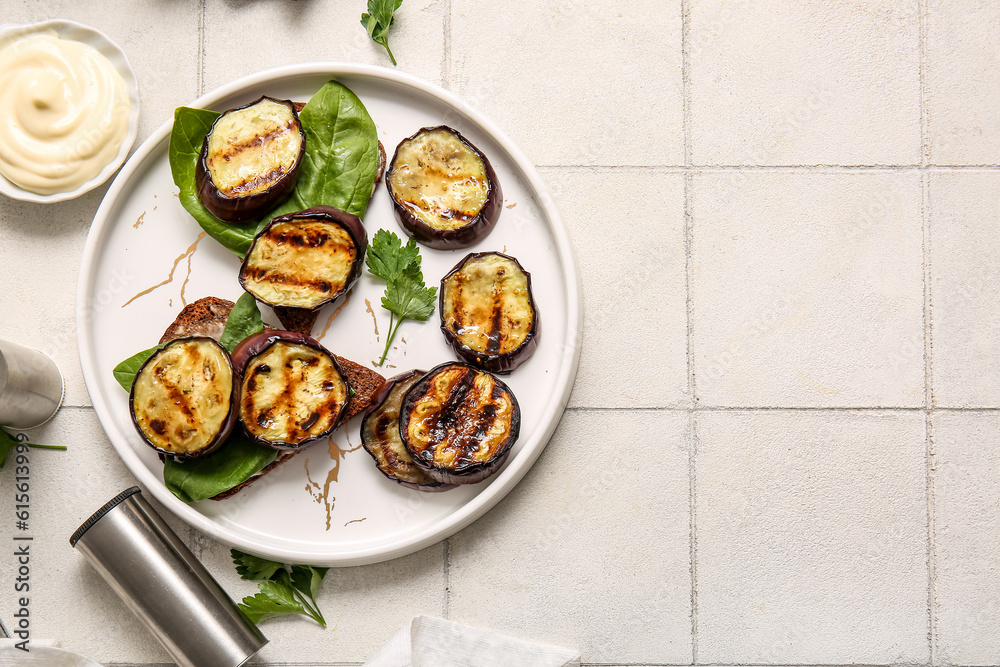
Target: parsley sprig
406,296
284,589
377,21
9,442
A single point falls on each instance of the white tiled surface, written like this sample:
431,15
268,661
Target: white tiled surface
781,447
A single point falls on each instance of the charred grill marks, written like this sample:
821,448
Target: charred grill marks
182,400
250,159
277,278
236,148
307,261
488,313
254,183
460,419
297,399
496,330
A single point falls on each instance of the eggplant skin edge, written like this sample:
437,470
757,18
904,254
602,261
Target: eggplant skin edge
351,223
376,405
501,364
453,239
476,472
259,343
245,209
228,423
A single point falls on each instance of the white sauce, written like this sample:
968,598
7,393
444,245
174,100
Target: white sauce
64,112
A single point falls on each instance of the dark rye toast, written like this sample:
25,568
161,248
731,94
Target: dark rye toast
207,317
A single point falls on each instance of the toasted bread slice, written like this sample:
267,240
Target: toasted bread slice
204,317
299,320
207,317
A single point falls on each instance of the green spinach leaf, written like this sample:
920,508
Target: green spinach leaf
190,128
244,321
378,20
341,152
126,370
338,167
238,458
206,476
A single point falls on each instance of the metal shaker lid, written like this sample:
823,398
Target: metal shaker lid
99,514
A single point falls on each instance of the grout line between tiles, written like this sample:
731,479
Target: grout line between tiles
931,547
583,664
794,168
446,29
928,408
780,408
201,47
446,598
688,270
925,144
925,216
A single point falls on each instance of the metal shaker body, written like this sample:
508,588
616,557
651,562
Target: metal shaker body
31,386
162,582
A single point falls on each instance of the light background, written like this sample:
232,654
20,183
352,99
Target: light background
782,445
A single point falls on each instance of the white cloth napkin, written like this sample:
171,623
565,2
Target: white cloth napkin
427,641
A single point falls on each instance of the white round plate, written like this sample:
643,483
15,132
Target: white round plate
78,32
317,509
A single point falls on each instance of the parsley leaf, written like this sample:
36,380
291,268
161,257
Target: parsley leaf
406,296
387,260
377,21
253,567
9,442
274,599
307,579
284,589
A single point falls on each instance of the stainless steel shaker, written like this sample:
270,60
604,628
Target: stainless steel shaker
31,386
162,582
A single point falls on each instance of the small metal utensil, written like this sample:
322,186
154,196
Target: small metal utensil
162,582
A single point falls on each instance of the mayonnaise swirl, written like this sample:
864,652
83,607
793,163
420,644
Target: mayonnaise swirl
64,112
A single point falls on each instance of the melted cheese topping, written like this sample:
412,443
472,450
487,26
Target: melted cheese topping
250,149
182,397
300,264
291,393
487,305
462,418
439,179
64,112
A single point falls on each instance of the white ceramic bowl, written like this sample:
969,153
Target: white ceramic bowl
95,38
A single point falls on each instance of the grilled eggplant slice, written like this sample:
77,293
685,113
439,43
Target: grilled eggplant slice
303,261
183,399
459,423
250,159
488,312
293,391
380,436
444,190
